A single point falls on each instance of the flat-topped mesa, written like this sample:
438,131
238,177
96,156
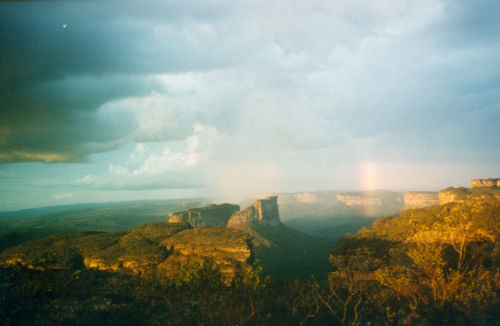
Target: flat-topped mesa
210,215
369,203
358,199
262,211
460,194
419,199
491,182
374,198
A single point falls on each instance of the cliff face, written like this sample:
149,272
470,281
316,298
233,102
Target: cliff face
358,200
420,199
492,182
369,203
263,211
305,204
451,195
461,194
211,215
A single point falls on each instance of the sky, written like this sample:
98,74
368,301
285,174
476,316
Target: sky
110,101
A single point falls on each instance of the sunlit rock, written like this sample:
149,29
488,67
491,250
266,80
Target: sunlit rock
211,215
263,211
419,199
492,182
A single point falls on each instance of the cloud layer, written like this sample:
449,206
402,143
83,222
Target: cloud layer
272,95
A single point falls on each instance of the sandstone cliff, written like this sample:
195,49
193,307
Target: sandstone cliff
358,199
279,249
450,195
492,182
461,194
264,211
369,203
419,199
211,215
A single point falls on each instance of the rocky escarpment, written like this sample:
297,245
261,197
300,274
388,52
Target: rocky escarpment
279,249
211,215
262,211
161,245
227,248
450,195
370,203
492,182
461,194
419,199
358,199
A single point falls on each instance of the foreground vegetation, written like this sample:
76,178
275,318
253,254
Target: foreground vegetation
433,266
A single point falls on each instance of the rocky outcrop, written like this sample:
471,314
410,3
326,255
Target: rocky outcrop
264,211
358,200
211,215
419,199
372,198
369,203
492,182
162,245
450,195
461,194
227,248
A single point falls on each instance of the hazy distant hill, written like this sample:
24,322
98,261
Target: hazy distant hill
331,214
20,226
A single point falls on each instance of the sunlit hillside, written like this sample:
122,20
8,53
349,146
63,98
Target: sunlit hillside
437,265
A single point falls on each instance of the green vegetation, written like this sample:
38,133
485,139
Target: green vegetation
462,193
18,227
431,266
159,244
284,252
436,265
330,227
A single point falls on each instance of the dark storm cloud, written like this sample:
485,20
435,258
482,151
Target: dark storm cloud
59,62
412,68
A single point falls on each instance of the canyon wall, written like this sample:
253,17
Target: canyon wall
358,199
261,211
492,182
368,203
419,199
210,215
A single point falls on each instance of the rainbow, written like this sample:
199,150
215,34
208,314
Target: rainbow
367,173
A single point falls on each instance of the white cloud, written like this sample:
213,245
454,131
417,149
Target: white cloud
309,95
117,170
139,153
158,119
174,164
193,151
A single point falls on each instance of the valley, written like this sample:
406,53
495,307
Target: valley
191,261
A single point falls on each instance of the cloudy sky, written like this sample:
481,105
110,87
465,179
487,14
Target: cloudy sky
139,100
